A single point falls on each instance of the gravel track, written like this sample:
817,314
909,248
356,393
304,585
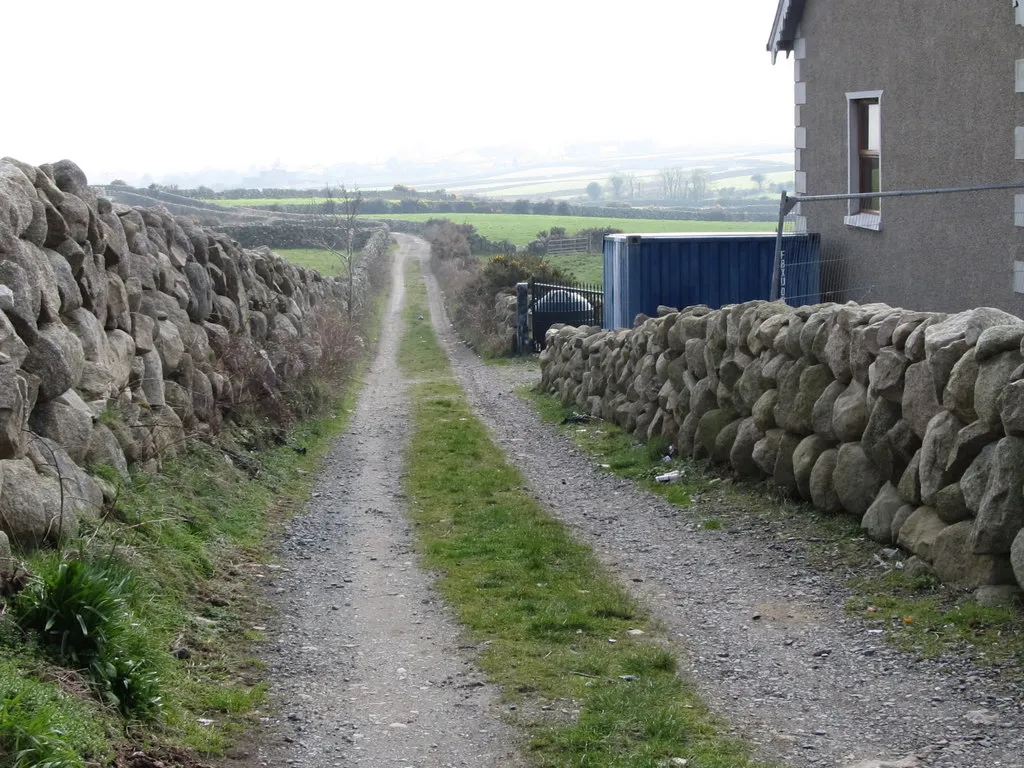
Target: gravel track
367,667
766,642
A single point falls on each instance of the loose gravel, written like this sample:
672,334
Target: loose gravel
366,666
766,642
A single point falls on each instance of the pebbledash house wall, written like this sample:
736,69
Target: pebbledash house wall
950,109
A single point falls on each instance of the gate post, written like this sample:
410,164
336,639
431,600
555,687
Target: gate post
522,325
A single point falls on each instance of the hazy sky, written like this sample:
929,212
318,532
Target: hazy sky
160,85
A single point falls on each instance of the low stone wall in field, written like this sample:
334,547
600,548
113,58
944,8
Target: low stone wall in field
911,421
126,331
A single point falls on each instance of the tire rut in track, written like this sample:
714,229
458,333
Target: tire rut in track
366,665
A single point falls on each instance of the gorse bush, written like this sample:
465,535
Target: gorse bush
80,615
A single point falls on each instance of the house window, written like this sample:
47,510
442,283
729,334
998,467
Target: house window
869,151
865,151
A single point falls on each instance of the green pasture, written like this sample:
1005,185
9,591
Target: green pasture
326,263
265,201
522,228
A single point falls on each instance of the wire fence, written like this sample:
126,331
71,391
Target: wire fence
943,249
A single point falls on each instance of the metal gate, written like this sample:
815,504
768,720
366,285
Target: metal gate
570,303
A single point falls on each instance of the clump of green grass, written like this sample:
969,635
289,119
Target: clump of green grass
927,618
41,726
557,627
79,613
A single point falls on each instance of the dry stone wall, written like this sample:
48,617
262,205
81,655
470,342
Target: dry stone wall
911,421
122,334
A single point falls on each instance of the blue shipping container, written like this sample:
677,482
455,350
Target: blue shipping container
683,269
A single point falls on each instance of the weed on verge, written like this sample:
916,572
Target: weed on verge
573,652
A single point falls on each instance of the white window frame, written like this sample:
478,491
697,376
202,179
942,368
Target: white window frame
854,217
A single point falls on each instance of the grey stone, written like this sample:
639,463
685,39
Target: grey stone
67,289
798,392
850,413
804,458
984,318
30,506
910,482
67,421
856,479
954,562
1001,514
837,353
153,379
105,450
993,376
958,396
56,357
974,481
942,361
1011,411
920,403
708,428
79,490
877,522
170,346
1017,557
764,410
821,415
741,455
784,477
13,412
766,450
938,442
970,441
999,338
11,343
823,491
884,416
144,329
694,356
999,595
901,516
886,375
919,532
950,505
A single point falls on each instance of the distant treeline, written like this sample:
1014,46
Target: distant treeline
402,199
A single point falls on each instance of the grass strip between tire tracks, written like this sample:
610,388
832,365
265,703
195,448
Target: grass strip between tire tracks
580,663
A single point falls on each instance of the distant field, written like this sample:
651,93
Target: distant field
522,228
262,201
744,182
324,262
585,267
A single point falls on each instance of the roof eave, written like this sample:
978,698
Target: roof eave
787,19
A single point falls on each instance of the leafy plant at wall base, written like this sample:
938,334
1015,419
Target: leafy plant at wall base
80,614
74,610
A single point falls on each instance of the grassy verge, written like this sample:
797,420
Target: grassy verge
142,633
578,659
916,614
